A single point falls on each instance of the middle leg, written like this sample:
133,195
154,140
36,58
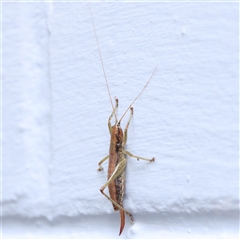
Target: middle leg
137,157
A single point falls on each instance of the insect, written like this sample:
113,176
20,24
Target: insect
117,160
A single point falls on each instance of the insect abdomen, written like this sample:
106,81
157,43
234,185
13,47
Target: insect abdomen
120,188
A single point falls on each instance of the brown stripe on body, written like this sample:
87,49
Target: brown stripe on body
116,188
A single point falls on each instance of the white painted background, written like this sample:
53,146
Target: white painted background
55,109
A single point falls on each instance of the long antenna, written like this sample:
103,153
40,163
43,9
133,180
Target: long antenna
139,94
105,76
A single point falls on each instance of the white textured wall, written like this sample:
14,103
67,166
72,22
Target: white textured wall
55,109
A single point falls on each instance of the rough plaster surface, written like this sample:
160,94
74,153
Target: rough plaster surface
55,108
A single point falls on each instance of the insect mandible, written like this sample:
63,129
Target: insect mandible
117,160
